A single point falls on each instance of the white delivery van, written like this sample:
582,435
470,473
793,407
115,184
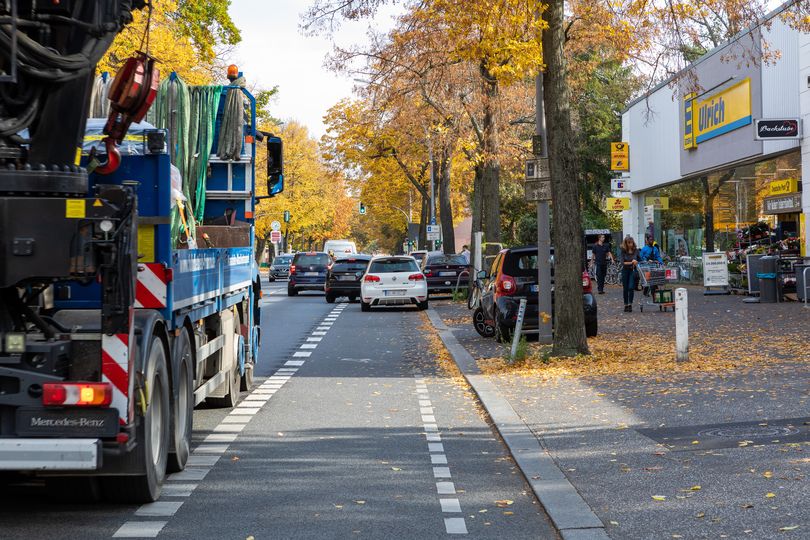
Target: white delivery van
339,247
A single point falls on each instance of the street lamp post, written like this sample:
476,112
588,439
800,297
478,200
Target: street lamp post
543,232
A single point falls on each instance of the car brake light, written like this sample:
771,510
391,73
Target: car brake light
371,278
428,272
292,268
586,282
77,394
416,277
506,285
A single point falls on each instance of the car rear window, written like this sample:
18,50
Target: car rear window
282,260
350,266
393,265
522,264
311,260
447,259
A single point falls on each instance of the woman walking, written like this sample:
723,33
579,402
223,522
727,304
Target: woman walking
629,260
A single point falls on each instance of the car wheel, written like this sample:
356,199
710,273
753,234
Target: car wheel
271,279
330,298
422,305
591,327
291,291
352,299
364,306
480,323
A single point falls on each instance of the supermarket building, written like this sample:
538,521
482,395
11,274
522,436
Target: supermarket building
723,148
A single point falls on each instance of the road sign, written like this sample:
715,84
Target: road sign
537,190
275,236
617,203
434,232
276,226
538,169
619,156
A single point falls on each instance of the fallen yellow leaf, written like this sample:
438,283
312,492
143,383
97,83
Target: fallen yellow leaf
695,488
504,503
770,495
659,497
767,474
790,528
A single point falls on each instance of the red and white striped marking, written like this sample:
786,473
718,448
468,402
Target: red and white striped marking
150,291
115,370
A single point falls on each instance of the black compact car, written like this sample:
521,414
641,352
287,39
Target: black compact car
442,272
280,269
513,276
308,272
344,277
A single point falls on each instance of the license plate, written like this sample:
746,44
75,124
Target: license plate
535,288
395,292
346,278
67,422
447,273
310,274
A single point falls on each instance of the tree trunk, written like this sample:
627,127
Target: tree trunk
491,172
569,322
424,217
708,214
445,203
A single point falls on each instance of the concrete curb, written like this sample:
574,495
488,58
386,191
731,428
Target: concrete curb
569,512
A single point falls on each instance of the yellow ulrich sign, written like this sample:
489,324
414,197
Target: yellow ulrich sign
619,156
617,204
783,187
716,114
660,203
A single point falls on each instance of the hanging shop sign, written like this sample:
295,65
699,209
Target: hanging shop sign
782,204
715,270
659,203
617,204
717,114
618,184
784,128
619,156
783,187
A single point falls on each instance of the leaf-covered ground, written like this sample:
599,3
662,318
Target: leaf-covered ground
749,363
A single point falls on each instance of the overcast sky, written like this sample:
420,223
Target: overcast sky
273,52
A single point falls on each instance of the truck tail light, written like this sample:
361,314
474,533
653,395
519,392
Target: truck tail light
416,277
371,278
506,286
77,394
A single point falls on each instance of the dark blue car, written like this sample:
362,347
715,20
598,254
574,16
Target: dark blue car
308,272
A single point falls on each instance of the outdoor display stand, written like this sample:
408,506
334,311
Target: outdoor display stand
715,273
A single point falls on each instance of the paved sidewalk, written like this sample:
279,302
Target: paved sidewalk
645,441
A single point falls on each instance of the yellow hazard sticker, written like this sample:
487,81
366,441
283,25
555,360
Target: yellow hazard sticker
75,208
98,202
146,243
78,155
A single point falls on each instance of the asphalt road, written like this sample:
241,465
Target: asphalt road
352,431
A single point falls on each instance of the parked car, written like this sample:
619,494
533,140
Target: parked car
339,248
419,255
280,269
345,276
308,272
393,281
513,276
442,272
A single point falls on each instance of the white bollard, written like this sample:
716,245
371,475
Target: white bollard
681,325
518,329
478,239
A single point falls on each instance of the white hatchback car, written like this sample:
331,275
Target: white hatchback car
393,281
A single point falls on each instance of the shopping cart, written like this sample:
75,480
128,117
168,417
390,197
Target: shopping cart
656,275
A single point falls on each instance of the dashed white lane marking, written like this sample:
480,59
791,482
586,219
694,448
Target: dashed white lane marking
181,485
438,459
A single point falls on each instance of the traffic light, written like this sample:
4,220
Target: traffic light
362,209
438,244
286,216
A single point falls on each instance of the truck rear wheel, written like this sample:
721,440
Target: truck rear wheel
153,433
235,379
182,404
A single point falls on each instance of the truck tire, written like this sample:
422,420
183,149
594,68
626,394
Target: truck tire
153,433
235,380
182,404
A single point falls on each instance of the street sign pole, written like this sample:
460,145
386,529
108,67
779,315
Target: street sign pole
432,193
543,231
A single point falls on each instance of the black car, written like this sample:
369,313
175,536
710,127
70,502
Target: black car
513,276
344,277
280,269
442,272
308,272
